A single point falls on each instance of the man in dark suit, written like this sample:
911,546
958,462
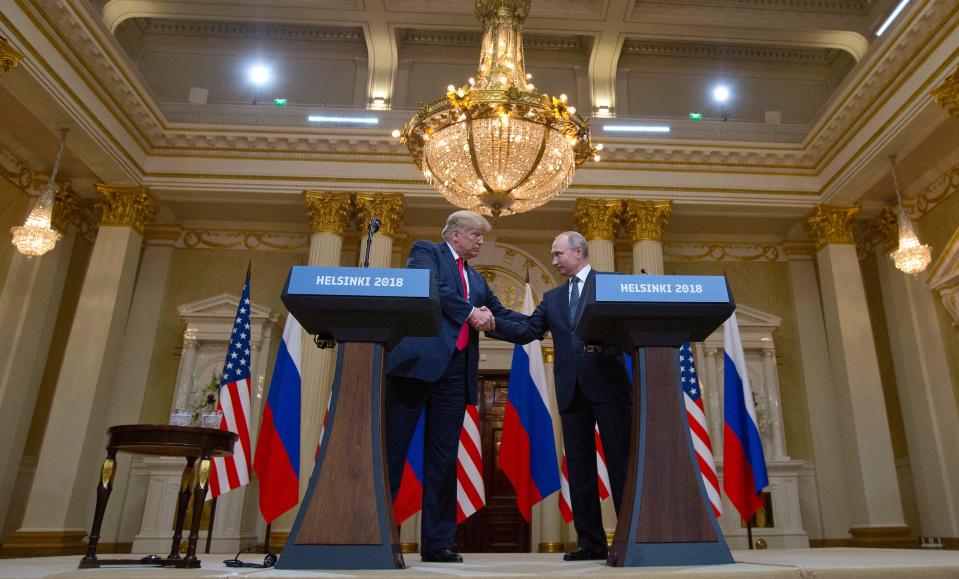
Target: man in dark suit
440,373
592,388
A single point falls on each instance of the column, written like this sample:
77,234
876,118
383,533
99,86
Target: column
551,521
833,521
875,507
646,222
388,208
597,220
56,515
29,305
129,386
10,57
925,389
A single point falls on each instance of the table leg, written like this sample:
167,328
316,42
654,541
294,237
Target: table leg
104,487
182,500
201,483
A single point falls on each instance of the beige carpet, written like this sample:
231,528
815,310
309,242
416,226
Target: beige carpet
798,564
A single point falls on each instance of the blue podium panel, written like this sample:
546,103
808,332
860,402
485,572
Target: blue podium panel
353,304
655,310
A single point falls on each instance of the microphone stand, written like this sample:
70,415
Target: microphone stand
373,227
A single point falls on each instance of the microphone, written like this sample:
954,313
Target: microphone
372,228
643,271
374,225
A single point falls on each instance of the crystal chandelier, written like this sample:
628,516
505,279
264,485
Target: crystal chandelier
36,237
496,145
911,256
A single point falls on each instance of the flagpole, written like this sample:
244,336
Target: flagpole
266,539
749,533
209,529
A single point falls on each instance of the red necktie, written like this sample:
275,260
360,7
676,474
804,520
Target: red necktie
464,338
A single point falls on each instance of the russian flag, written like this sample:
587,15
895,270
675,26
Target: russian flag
744,466
527,453
277,458
409,497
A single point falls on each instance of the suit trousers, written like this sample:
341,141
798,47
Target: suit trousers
579,421
445,402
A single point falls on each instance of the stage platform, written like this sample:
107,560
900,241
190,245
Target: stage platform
767,564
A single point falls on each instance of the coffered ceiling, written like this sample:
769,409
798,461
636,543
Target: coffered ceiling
818,101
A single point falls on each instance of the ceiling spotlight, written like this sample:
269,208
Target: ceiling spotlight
721,94
259,74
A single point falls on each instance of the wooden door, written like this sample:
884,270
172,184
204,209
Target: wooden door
498,527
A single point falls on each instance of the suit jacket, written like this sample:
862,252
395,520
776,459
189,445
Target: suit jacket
427,358
601,375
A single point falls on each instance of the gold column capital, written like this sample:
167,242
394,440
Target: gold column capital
646,220
886,228
127,206
329,211
946,95
549,355
10,57
597,218
832,224
387,206
66,208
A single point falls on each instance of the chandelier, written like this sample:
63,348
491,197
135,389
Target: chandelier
911,256
36,237
496,145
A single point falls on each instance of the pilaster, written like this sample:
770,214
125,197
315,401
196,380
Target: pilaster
925,393
597,221
875,505
646,222
29,305
72,446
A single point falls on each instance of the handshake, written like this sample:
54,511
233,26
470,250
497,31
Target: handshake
482,320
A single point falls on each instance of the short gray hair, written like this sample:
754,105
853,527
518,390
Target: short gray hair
465,219
575,240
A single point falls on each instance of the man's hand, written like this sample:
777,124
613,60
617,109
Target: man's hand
482,320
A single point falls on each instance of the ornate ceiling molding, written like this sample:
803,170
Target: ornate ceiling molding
857,7
469,38
260,30
783,55
83,42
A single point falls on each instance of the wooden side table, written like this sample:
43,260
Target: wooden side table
162,440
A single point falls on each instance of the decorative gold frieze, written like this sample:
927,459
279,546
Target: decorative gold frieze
934,194
766,252
646,220
129,206
597,218
388,207
329,211
832,224
946,95
10,57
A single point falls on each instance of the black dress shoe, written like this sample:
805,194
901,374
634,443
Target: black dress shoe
582,554
442,556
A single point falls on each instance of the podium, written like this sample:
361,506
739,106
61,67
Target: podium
665,517
346,519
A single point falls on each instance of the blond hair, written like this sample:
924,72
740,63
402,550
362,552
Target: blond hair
465,219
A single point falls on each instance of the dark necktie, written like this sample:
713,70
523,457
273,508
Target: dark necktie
573,299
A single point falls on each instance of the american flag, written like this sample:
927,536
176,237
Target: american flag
699,427
470,492
602,475
234,401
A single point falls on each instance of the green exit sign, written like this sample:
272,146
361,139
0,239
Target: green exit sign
279,102
695,116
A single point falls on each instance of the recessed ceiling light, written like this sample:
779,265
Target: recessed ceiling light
721,94
636,128
259,74
893,16
342,120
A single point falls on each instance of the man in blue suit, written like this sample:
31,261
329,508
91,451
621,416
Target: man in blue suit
592,388
440,373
